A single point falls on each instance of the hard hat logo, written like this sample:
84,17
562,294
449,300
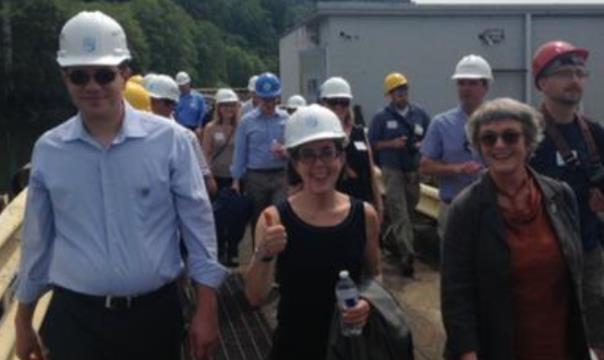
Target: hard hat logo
89,44
311,122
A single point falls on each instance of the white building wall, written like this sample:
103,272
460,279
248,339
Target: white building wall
426,47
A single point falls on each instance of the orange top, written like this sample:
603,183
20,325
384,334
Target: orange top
540,281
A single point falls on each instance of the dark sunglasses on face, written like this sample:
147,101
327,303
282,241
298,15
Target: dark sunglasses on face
508,137
101,76
338,102
401,90
309,155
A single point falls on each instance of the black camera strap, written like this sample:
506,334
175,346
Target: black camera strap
570,158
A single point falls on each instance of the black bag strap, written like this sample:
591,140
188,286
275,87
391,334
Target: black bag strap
223,147
570,158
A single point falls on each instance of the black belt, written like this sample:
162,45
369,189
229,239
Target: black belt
267,171
118,302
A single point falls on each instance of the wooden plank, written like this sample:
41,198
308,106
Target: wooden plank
11,218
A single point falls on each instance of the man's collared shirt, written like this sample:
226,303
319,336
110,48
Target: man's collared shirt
390,124
254,137
190,110
446,141
108,221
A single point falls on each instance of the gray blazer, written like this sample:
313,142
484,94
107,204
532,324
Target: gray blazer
476,292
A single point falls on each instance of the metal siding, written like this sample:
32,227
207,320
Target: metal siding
426,46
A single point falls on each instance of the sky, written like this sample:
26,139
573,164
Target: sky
509,1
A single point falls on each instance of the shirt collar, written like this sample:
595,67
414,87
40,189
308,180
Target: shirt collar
131,127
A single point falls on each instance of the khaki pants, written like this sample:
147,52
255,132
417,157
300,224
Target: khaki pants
265,188
402,196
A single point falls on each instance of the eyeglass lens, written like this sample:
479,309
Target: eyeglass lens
508,138
101,77
309,155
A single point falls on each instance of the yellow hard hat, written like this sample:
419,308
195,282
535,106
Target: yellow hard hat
138,79
394,80
137,96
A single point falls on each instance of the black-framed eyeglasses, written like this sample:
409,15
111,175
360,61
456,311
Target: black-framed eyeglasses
309,155
338,102
81,77
568,74
508,137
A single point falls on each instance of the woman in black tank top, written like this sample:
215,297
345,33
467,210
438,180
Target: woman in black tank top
304,241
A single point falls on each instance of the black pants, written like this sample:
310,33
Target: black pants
75,328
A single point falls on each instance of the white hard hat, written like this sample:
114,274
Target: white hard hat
226,96
312,123
147,80
182,78
336,87
163,87
296,101
473,67
92,38
251,85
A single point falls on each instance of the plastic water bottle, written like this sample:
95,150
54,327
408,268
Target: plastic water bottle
348,296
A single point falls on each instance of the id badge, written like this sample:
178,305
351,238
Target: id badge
360,145
418,130
392,124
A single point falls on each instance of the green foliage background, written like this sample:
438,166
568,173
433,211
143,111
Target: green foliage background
219,42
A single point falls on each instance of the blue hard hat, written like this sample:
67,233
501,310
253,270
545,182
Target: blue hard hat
268,85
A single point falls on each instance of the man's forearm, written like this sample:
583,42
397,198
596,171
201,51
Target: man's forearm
437,168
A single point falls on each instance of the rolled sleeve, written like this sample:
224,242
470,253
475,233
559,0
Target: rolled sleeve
38,236
196,220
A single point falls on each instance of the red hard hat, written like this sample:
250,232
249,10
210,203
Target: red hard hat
552,50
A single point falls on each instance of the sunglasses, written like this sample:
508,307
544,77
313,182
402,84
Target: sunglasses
338,102
309,156
508,137
101,77
401,90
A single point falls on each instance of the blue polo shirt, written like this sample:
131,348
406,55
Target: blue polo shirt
446,141
190,110
547,161
253,140
389,124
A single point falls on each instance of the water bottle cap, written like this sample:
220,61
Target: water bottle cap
344,274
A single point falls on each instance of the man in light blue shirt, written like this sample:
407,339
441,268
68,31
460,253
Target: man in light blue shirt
191,108
111,191
259,152
446,152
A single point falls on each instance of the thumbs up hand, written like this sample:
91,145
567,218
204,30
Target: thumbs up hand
274,239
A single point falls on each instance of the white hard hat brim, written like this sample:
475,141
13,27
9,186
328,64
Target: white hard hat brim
325,135
109,60
159,97
183,82
470,76
338,96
